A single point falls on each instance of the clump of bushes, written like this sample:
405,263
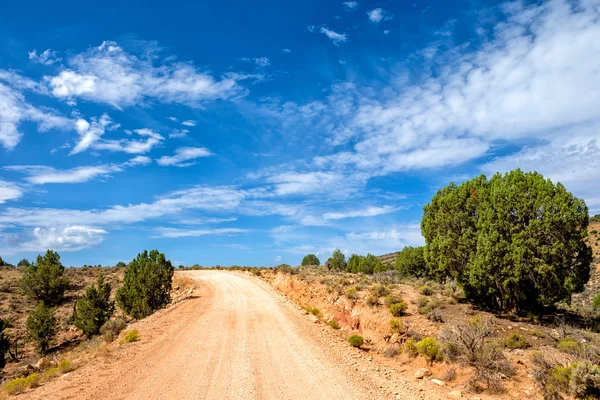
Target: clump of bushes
516,341
579,379
398,309
64,366
391,351
147,284
569,346
131,336
392,299
426,290
16,386
380,291
356,340
429,348
410,347
313,310
372,301
334,324
351,293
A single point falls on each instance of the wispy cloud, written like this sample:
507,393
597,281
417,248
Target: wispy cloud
9,191
189,122
366,212
350,5
150,140
47,57
336,38
178,233
377,15
262,61
183,156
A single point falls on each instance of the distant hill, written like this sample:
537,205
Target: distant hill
388,259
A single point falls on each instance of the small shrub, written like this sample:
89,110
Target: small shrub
569,346
111,329
429,307
596,301
397,325
351,293
516,341
41,326
392,299
33,380
538,334
410,347
398,309
356,340
313,310
373,301
380,291
585,381
16,386
334,324
435,315
422,301
429,348
391,351
64,366
131,336
426,290
449,375
51,373
94,308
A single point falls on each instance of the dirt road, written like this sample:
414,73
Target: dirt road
237,340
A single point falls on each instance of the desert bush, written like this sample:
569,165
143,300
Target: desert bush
516,341
310,259
466,339
372,301
16,386
398,309
313,310
435,315
337,261
334,324
391,351
410,347
538,334
33,380
479,231
41,326
392,299
579,379
426,290
449,375
429,348
585,381
490,364
51,373
94,308
596,301
397,325
422,301
380,291
569,346
429,307
64,366
45,279
111,328
356,340
351,293
147,284
131,336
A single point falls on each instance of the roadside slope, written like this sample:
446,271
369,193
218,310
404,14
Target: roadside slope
239,340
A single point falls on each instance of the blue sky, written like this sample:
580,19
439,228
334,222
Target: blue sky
252,133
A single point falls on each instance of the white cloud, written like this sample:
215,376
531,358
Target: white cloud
178,233
14,110
91,133
178,133
377,15
350,5
286,51
310,28
138,160
262,61
294,183
132,146
189,122
367,212
47,57
109,74
9,191
70,238
183,155
40,175
173,119
336,38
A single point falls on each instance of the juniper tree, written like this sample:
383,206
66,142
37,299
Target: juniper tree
147,284
410,261
41,326
4,342
310,259
94,308
45,279
337,261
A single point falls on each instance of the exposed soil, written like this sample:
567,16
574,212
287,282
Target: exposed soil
238,339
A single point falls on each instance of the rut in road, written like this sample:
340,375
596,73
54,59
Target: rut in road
239,340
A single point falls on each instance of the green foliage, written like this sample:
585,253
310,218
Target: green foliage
24,263
33,380
111,329
429,348
410,261
313,310
354,263
569,346
398,309
351,293
596,301
392,299
410,347
147,284
372,300
121,264
310,259
45,280
516,341
41,326
64,366
380,290
356,340
131,336
4,342
426,290
16,386
334,324
337,261
2,264
585,381
370,264
51,373
397,325
514,242
94,308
